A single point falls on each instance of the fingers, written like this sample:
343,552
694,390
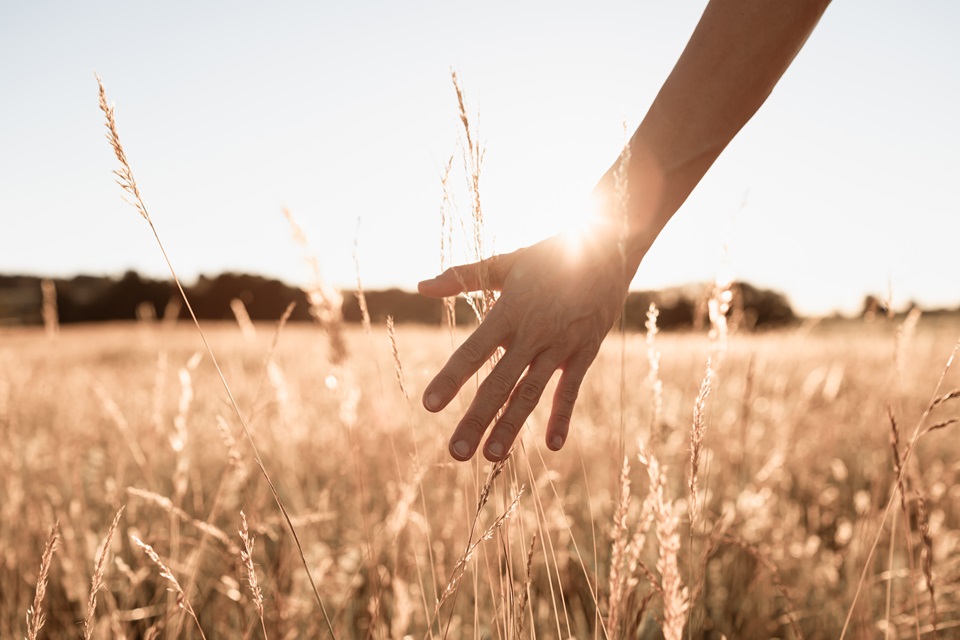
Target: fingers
493,393
565,397
467,360
524,398
486,274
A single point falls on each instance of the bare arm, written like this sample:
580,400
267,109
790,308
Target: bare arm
734,58
556,306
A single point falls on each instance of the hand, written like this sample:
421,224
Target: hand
559,298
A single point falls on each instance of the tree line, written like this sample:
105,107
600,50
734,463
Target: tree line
99,299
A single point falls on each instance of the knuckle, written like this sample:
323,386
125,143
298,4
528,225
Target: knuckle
472,424
509,427
469,353
498,384
568,395
445,383
529,392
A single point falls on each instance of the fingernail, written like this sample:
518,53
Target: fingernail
432,401
495,449
461,448
556,443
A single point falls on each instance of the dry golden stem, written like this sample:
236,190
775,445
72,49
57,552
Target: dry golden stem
927,559
51,318
361,297
127,182
246,555
243,320
167,575
35,616
618,578
697,431
98,573
397,366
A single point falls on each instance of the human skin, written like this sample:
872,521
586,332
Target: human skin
558,302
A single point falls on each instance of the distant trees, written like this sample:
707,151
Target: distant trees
96,299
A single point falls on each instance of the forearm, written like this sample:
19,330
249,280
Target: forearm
734,58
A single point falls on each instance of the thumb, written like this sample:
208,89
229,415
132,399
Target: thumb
486,274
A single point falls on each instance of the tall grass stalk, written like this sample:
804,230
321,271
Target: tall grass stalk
127,182
918,431
98,573
246,556
51,317
182,601
35,616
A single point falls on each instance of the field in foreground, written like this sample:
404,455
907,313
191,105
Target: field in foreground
791,490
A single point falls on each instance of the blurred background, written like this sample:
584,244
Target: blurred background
843,185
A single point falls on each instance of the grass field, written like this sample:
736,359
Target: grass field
794,478
800,485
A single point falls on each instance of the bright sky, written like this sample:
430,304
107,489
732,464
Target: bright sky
845,183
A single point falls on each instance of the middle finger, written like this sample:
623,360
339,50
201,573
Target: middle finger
492,394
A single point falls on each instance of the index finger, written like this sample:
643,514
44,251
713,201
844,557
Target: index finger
467,360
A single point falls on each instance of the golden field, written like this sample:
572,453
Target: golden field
794,480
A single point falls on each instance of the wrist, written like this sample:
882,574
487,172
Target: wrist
630,204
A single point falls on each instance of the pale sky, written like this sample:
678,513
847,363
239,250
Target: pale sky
846,182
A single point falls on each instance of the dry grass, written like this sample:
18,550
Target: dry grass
35,615
768,518
97,582
801,492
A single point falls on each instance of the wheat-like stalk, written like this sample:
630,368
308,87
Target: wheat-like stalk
446,244
167,505
243,319
656,384
904,337
676,600
99,570
717,307
120,421
461,565
675,596
940,425
167,575
326,302
617,551
768,564
51,318
946,398
397,365
35,615
697,431
181,436
918,431
473,156
246,556
359,294
127,182
927,559
473,161
234,459
897,462
525,594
